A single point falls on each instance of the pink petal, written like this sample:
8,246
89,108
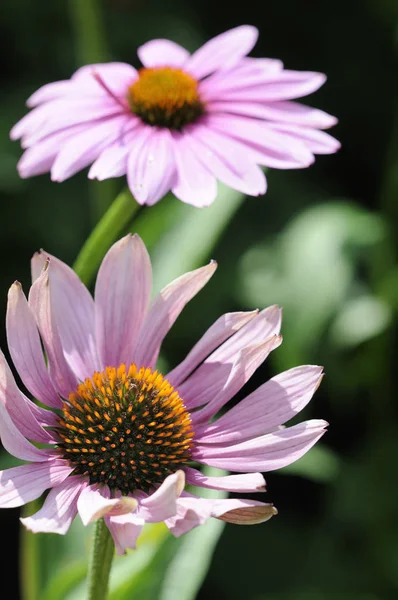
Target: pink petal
116,76
195,184
264,453
151,170
318,142
252,181
162,504
112,162
248,361
284,112
23,484
248,482
19,407
222,51
31,122
37,263
242,512
25,348
49,91
272,404
94,503
158,53
73,312
40,303
125,530
164,311
59,508
122,294
218,333
85,147
15,443
276,150
248,71
191,512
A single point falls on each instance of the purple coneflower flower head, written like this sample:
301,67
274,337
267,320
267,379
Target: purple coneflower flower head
179,123
119,440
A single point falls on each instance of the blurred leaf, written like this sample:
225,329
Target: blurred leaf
359,320
320,464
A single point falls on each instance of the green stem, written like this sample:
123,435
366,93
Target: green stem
89,31
105,233
29,557
99,567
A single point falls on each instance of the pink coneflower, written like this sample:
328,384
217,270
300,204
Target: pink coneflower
180,123
119,440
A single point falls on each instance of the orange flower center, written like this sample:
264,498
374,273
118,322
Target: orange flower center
127,428
165,97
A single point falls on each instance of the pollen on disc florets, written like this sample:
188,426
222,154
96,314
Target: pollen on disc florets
127,428
165,97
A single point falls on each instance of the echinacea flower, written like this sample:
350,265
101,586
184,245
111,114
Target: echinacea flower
180,123
117,439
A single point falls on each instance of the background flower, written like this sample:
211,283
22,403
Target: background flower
181,122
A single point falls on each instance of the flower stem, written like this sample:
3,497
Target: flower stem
99,567
89,31
30,575
115,220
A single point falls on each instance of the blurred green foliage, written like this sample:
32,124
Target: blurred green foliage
322,243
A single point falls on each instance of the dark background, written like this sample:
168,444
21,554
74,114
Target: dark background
322,243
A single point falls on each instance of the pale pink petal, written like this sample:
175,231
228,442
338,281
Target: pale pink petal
245,483
318,142
40,303
85,147
25,348
158,53
125,530
122,293
195,184
241,512
49,91
23,484
247,71
272,404
72,309
191,512
222,51
164,311
151,172
95,502
218,333
284,112
116,76
265,453
58,510
162,504
18,407
37,263
247,362
15,443
33,121
277,149
252,181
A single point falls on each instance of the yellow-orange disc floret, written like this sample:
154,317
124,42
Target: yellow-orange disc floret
127,428
165,97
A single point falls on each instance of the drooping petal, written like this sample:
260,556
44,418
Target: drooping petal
40,303
73,311
125,530
122,293
15,443
247,482
23,484
191,512
151,171
164,311
271,405
18,407
25,348
162,504
222,51
95,502
59,508
159,53
319,142
218,333
112,162
242,512
265,453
